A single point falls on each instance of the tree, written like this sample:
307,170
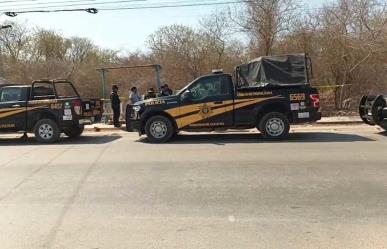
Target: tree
351,34
265,21
176,47
13,41
215,33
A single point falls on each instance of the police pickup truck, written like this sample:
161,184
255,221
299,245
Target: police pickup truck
46,108
373,110
269,94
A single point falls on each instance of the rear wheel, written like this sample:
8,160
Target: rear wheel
159,129
274,126
74,132
46,131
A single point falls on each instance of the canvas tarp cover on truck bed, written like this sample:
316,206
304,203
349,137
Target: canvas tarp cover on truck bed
273,70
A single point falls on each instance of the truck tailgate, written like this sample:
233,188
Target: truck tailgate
93,109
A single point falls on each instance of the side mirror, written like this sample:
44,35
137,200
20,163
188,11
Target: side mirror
186,96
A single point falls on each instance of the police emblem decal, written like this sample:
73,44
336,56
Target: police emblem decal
205,111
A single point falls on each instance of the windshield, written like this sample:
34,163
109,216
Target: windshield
184,88
188,85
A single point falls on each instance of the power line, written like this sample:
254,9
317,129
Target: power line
16,1
20,10
65,3
37,4
91,9
94,10
174,5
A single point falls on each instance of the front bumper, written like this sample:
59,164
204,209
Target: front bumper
133,121
86,121
134,125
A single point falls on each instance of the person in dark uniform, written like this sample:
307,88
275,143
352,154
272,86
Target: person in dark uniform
116,106
168,90
165,91
151,94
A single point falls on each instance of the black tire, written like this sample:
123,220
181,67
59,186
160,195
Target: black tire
159,129
46,131
274,126
74,132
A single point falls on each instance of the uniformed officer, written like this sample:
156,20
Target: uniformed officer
165,91
116,106
168,90
151,94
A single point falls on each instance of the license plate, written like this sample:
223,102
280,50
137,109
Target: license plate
303,115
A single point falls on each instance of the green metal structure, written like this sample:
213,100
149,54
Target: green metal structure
103,74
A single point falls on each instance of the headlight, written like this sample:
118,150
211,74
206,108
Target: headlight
137,108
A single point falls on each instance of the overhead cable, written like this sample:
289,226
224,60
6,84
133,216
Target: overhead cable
95,10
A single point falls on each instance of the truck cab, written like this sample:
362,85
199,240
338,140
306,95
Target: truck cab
214,101
46,108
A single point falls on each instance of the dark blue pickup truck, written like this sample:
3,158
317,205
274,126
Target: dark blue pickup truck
46,108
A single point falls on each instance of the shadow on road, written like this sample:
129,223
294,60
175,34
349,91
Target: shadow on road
305,137
63,141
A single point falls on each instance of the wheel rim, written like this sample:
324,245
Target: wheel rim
158,129
46,131
275,127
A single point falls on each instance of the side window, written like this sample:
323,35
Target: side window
211,86
227,85
65,90
43,91
11,94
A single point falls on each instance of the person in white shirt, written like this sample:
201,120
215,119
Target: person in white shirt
134,96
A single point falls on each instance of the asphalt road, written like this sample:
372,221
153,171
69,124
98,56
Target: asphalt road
326,187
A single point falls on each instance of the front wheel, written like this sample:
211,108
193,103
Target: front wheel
46,131
74,132
159,129
274,126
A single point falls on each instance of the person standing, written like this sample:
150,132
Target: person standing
116,106
134,96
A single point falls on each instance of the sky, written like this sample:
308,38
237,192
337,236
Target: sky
124,30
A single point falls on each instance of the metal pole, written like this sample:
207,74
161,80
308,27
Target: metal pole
158,78
105,118
103,81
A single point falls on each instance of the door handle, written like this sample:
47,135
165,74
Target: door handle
16,106
218,102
